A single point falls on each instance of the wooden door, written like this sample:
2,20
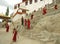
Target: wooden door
35,0
30,1
26,3
18,5
24,0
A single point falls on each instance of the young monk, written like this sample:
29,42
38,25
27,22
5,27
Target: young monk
28,24
7,27
25,22
22,20
32,16
44,11
14,35
55,6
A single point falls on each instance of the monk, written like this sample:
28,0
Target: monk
32,16
14,35
55,6
25,22
44,11
34,10
28,24
7,27
22,20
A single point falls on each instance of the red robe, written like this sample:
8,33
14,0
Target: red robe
14,35
28,24
44,11
32,16
25,22
55,6
7,28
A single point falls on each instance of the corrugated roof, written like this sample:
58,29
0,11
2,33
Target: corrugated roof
2,16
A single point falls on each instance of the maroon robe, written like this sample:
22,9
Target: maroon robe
7,27
22,20
44,11
28,24
25,22
14,35
55,6
32,16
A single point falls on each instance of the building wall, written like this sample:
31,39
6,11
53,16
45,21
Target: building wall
35,5
31,7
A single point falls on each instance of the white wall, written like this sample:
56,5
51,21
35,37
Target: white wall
32,7
35,6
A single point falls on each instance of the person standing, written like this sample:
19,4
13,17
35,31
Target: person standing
14,35
22,20
7,27
28,24
25,22
55,6
44,10
32,16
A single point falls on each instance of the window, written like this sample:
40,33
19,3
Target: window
30,1
24,11
24,0
26,3
35,0
15,7
18,5
41,0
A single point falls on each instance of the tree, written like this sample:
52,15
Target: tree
7,11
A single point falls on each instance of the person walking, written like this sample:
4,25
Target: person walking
14,35
22,20
28,24
25,22
55,6
44,10
32,16
7,27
